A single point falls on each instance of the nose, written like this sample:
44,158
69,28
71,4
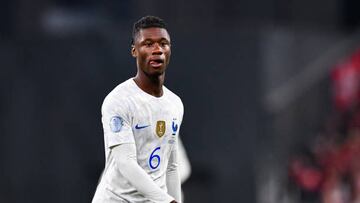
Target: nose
157,49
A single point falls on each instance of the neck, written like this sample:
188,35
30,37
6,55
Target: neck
152,85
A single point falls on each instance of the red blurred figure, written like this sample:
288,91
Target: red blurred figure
346,83
334,173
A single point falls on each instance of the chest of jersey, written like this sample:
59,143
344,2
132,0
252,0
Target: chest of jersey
155,121
155,126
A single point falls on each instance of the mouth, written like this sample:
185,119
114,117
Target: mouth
156,63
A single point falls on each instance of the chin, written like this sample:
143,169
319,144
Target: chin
158,71
155,73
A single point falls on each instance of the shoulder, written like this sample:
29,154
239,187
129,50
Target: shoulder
172,95
176,102
118,97
174,98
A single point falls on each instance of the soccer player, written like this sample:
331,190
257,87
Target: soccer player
141,120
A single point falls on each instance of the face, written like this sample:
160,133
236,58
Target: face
152,51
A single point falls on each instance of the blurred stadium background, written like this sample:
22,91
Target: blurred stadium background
256,77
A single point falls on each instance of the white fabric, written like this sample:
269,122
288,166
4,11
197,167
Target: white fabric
183,162
131,116
172,175
125,159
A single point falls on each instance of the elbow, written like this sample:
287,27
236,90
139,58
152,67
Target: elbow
172,167
122,162
124,159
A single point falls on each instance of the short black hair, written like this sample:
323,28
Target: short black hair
147,22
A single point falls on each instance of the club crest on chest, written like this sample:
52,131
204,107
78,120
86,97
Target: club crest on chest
160,128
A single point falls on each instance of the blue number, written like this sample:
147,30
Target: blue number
152,156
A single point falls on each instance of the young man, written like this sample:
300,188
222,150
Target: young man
141,120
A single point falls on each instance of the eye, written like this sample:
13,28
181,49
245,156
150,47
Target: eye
148,43
164,43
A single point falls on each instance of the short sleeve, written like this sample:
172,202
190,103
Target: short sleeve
116,123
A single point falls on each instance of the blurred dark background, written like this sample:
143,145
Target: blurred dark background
253,76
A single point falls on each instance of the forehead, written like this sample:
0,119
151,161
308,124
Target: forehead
153,33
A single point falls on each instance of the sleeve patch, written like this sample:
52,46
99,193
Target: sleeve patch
116,124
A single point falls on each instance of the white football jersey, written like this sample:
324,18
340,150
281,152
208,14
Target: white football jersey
130,115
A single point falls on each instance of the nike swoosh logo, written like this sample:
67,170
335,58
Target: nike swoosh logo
141,127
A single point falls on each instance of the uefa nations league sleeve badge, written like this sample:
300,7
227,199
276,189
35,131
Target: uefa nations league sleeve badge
116,124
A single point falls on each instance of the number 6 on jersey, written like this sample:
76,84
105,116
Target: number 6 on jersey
154,160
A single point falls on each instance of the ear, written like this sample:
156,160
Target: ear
133,51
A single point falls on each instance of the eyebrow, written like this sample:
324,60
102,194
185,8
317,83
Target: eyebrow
161,39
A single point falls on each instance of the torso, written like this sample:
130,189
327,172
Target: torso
154,123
